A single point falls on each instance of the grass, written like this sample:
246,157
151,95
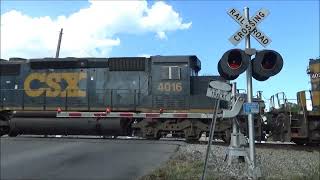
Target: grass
180,167
177,170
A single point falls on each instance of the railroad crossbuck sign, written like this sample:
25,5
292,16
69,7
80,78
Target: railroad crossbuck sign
249,27
219,90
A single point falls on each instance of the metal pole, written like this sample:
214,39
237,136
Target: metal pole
249,100
59,43
212,127
234,121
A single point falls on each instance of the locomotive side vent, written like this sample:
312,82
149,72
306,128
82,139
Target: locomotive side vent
173,102
61,64
127,64
9,69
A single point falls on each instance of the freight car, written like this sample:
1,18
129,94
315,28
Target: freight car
148,97
293,121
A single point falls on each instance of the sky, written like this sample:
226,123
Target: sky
30,29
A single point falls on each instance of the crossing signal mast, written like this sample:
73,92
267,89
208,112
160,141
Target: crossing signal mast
265,63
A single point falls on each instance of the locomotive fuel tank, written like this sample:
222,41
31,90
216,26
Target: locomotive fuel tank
38,123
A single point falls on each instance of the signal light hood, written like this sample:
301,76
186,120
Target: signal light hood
267,63
233,63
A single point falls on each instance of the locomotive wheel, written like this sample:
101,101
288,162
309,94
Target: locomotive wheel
151,133
192,135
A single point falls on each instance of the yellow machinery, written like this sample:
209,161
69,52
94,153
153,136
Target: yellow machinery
293,121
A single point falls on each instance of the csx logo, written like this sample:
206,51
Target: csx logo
51,84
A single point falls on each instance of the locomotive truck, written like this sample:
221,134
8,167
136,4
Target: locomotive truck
147,97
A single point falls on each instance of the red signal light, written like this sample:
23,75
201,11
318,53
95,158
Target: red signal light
235,59
59,110
234,63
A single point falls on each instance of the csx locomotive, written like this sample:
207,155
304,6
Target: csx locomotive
148,97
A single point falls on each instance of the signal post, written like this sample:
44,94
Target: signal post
254,170
266,63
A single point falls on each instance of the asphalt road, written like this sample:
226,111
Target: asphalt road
70,158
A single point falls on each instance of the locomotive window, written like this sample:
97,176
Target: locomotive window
170,72
164,72
174,72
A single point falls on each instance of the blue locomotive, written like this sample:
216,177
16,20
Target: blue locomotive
139,89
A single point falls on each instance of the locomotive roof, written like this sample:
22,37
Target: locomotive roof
192,60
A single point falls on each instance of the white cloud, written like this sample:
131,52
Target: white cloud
144,55
91,31
161,35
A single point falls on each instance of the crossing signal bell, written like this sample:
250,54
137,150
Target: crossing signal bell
266,63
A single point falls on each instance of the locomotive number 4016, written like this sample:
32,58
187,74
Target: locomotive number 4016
170,87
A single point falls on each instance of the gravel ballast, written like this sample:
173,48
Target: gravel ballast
274,163
277,163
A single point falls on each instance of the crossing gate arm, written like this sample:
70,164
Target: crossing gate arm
234,111
135,115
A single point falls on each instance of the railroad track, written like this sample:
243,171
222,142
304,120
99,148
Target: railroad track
203,141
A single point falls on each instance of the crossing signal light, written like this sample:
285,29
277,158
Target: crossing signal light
233,63
266,63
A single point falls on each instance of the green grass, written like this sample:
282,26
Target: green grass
181,167
176,169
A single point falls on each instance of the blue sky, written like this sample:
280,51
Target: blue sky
293,27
